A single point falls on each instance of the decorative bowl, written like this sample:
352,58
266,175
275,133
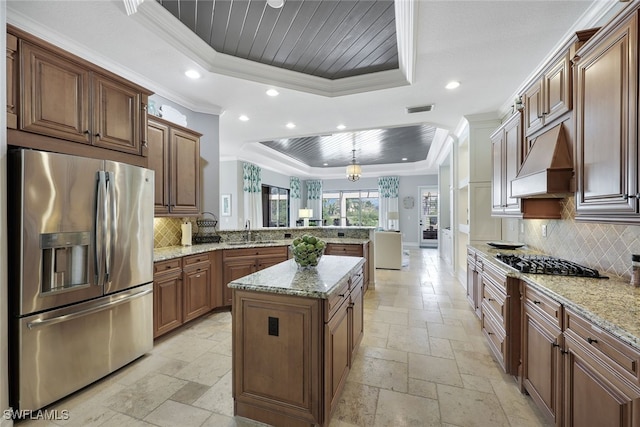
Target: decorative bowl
307,251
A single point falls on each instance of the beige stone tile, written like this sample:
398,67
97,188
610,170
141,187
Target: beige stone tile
513,402
441,347
426,315
452,322
373,341
206,369
144,366
391,317
423,388
434,369
414,340
399,410
145,395
171,414
184,347
473,363
189,393
379,373
450,332
122,420
377,329
384,353
470,408
89,414
357,404
474,382
218,398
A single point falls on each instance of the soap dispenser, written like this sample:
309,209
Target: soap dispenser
186,232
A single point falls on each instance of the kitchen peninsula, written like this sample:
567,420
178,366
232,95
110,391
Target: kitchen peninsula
294,336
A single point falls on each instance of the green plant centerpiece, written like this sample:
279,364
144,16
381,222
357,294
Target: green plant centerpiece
307,251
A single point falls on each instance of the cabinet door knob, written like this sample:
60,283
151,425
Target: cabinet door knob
144,143
489,333
87,132
555,344
490,299
98,135
592,341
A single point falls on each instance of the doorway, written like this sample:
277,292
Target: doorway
428,217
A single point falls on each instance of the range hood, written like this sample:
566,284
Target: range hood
547,169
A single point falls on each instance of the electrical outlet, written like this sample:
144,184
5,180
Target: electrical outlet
544,230
521,227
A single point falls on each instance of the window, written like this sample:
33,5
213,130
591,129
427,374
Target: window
350,208
275,206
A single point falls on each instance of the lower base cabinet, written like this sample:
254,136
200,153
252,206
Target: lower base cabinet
292,355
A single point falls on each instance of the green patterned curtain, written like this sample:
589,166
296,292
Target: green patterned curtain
314,189
252,179
388,186
294,187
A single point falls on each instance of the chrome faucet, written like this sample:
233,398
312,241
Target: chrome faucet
247,230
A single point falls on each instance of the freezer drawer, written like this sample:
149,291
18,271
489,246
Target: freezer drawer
63,350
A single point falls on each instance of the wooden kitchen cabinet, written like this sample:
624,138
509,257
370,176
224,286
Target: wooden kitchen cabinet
500,313
12,79
242,262
215,260
474,272
292,354
64,97
606,70
550,96
601,377
174,155
542,339
167,296
196,286
507,156
351,249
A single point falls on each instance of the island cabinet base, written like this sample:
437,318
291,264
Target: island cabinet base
292,354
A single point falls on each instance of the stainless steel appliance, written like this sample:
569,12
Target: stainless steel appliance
542,264
80,272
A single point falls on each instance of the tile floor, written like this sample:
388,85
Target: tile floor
423,362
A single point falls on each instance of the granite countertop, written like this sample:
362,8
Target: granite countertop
612,304
170,252
285,278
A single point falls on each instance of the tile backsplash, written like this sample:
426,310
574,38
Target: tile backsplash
166,232
607,247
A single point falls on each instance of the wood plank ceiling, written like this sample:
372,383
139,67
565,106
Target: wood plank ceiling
325,38
373,147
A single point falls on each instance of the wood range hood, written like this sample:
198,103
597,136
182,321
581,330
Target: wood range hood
547,170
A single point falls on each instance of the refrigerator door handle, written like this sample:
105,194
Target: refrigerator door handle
100,227
111,215
39,323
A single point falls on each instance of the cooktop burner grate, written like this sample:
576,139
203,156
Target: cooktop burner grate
542,264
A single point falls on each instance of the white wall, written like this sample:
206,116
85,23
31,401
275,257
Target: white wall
4,346
231,183
208,126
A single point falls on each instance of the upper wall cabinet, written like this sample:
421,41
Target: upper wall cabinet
64,97
174,155
549,97
506,149
12,105
606,72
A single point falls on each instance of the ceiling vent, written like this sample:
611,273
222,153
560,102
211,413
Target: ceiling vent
421,109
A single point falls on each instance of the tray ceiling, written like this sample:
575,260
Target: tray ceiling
323,38
373,147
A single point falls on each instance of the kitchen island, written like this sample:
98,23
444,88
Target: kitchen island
294,336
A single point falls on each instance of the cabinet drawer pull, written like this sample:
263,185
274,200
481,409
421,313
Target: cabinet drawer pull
489,333
87,132
198,275
490,299
555,344
537,302
342,295
592,341
98,135
564,351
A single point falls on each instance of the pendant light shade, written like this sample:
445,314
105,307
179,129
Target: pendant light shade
354,171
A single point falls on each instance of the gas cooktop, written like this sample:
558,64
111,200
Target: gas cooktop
542,264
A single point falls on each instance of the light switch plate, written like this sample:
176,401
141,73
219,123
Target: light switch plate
544,230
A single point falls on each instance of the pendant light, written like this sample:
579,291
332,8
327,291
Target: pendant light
354,170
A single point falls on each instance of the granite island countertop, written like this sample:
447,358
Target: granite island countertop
285,278
170,252
612,304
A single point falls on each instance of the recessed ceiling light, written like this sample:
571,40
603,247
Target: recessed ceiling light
276,4
325,164
273,92
192,74
404,159
291,125
452,85
341,127
243,118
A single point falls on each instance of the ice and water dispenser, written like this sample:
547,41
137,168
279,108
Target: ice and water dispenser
65,260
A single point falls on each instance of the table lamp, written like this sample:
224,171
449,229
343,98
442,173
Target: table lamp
393,217
305,214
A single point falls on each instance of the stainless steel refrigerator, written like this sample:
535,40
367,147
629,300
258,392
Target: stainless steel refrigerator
80,272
